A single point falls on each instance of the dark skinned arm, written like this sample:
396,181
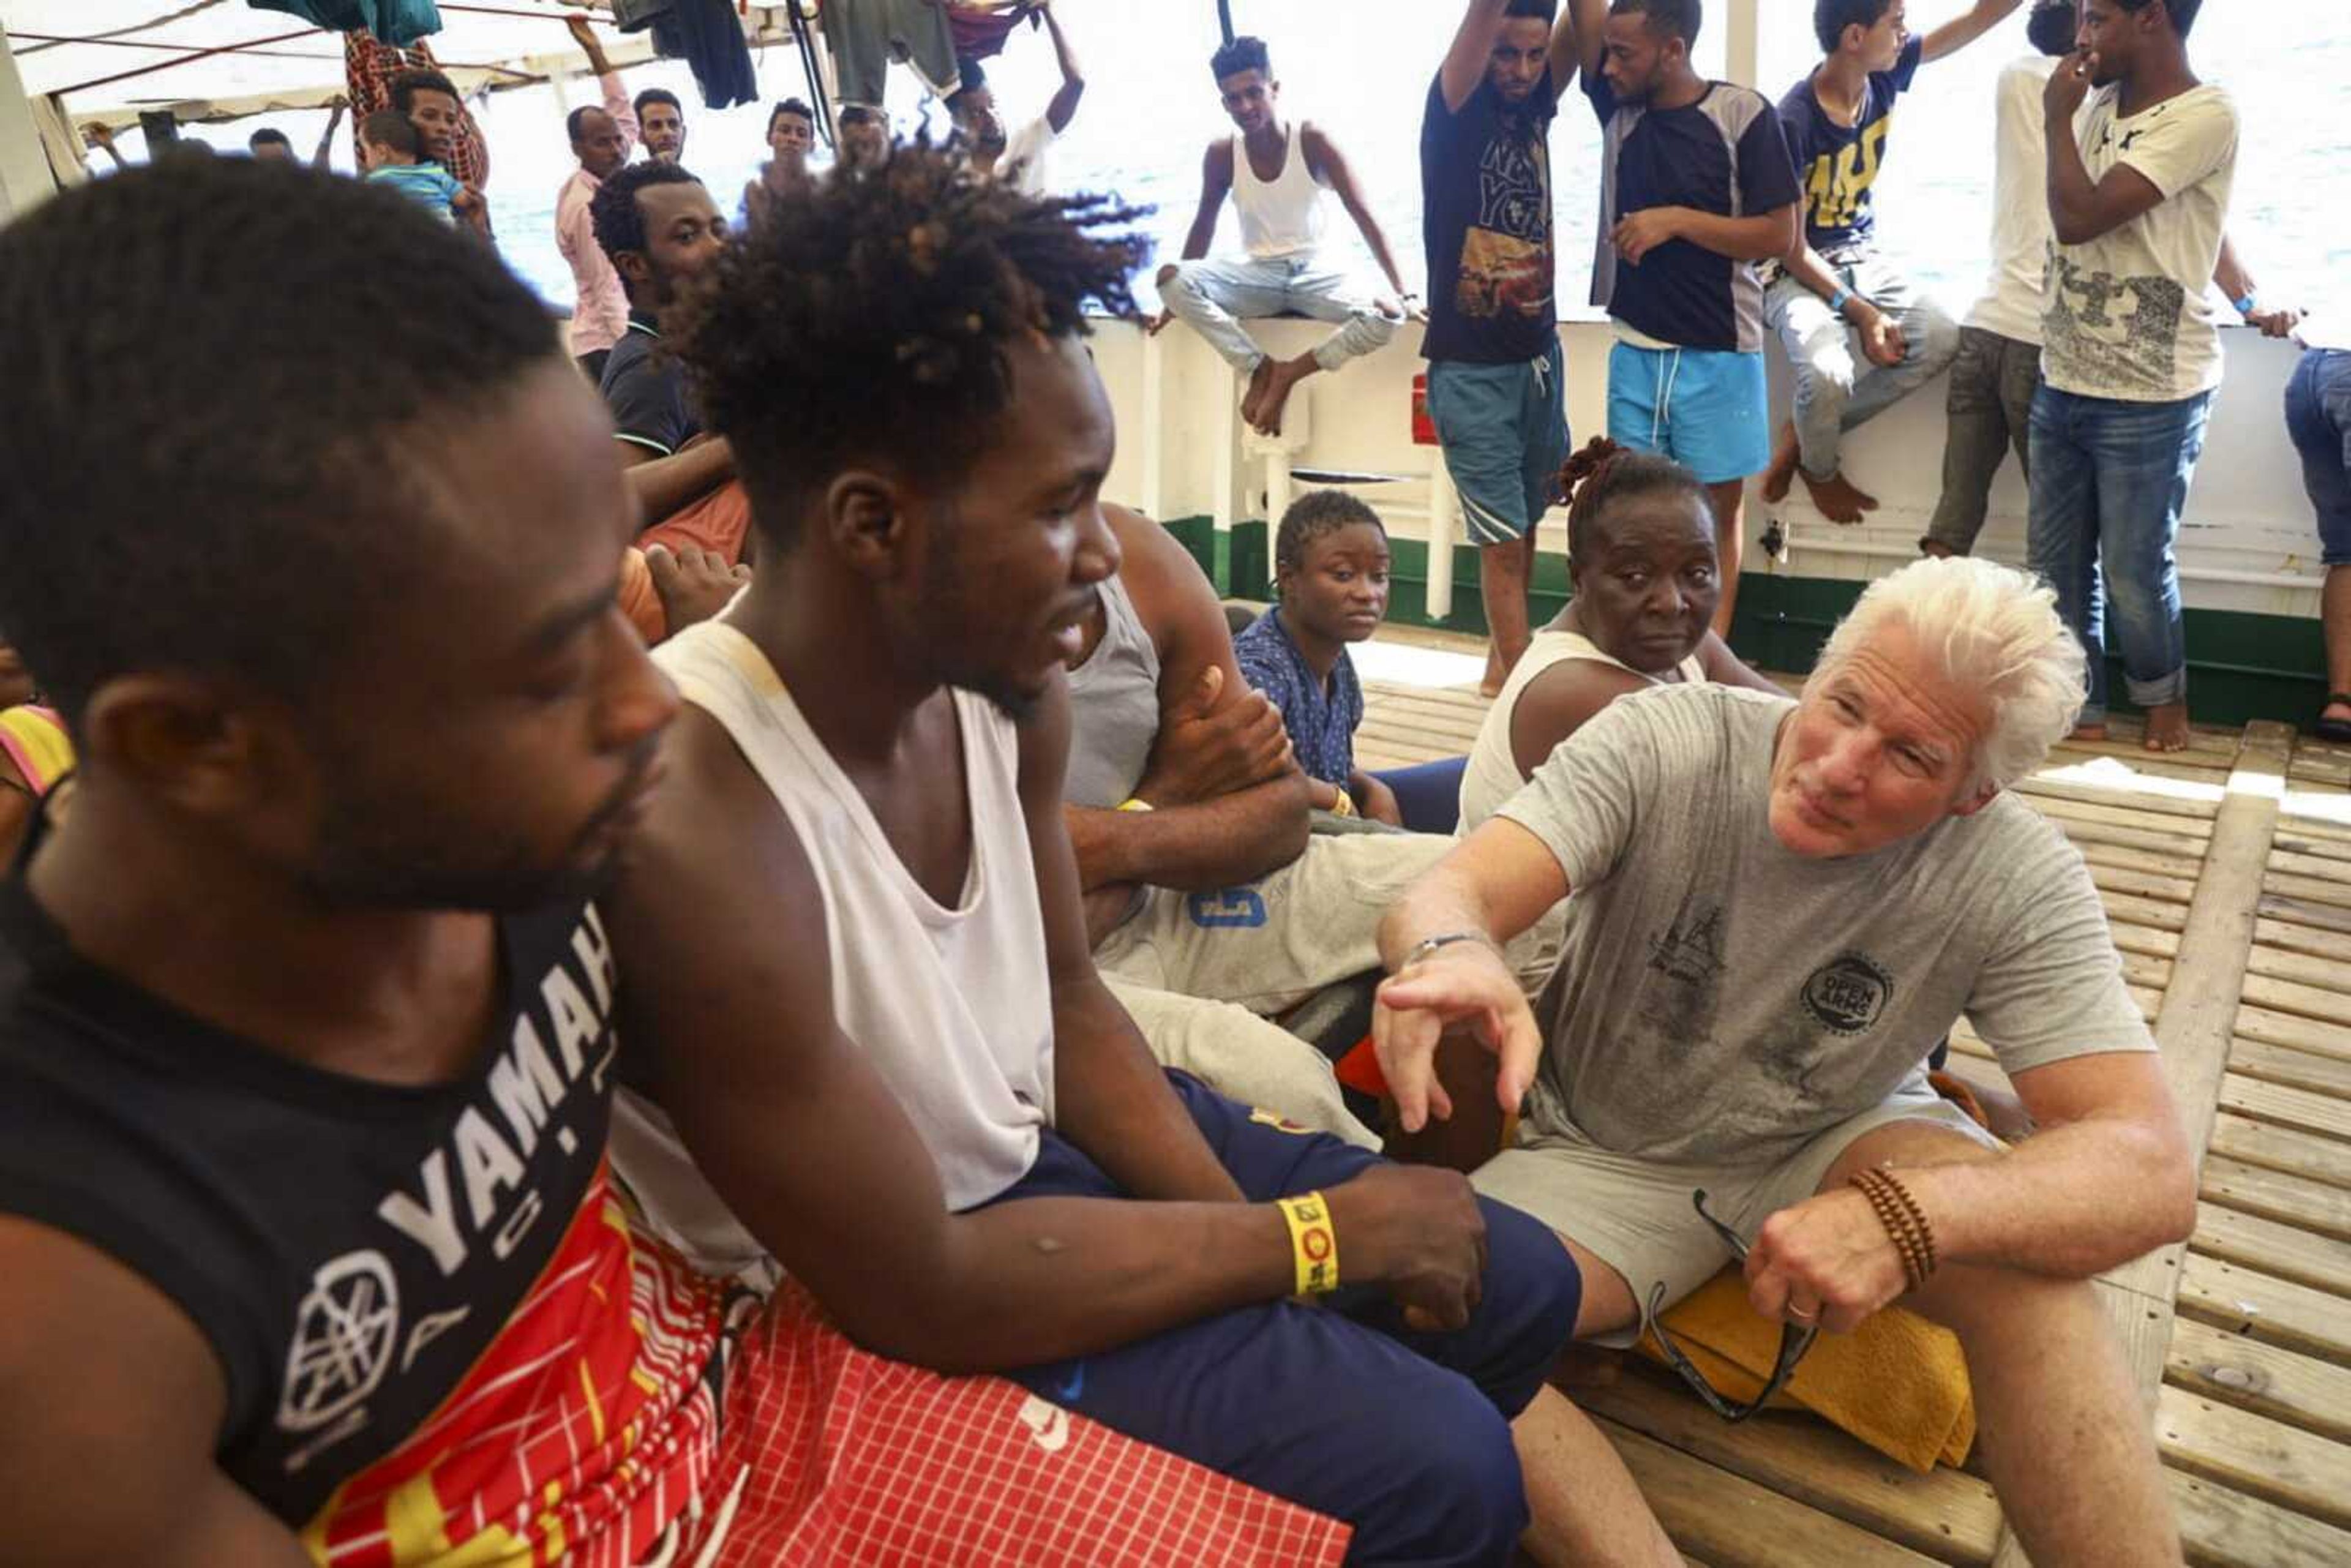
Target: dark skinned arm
1759,237
1198,848
1216,184
1064,106
719,929
1558,703
323,159
1966,27
1109,1097
107,1383
1472,47
2079,211
1881,335
664,486
1587,22
1323,157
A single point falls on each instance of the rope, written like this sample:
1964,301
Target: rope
180,15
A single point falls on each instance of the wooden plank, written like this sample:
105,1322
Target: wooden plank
2285,936
2155,885
2231,1369
2331,975
2092,794
2182,846
2109,813
2297,825
2261,1457
2297,1033
2147,913
2151,941
2282,1195
2298,1109
2315,847
2225,1529
2332,890
2272,1247
2322,1166
2302,912
1948,1514
2291,997
2296,1068
2274,1310
1733,1524
2322,868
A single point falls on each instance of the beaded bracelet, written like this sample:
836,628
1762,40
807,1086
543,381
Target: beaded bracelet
1905,1222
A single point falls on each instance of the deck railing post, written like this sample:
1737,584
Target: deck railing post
25,178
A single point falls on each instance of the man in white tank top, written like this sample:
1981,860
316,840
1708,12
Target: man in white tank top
869,1042
1276,171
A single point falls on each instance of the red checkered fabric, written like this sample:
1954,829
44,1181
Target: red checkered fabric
847,1458
369,66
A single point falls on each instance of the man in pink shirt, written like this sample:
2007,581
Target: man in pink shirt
601,139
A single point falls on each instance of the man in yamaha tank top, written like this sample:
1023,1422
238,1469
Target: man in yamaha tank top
1276,171
863,1003
310,1251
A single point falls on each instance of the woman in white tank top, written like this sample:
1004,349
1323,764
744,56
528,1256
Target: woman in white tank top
1640,549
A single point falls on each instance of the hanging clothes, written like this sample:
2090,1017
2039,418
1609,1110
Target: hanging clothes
368,69
980,30
636,15
866,35
707,35
399,23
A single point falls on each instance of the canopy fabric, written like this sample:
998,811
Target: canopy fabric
221,59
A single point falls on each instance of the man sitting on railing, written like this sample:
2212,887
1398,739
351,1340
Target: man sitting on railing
1276,172
1778,907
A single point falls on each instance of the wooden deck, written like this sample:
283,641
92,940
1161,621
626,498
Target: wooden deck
2226,872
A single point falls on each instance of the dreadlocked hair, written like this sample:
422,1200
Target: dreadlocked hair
869,320
1603,474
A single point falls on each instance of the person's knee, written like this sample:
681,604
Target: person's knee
1824,376
1459,1496
1376,326
1188,288
1992,1308
1939,341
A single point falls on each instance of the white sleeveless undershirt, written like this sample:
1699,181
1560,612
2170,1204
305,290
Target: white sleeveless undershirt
1492,776
951,1004
1282,216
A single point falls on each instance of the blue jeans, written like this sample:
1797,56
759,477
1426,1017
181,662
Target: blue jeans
1340,1408
2109,480
1837,387
2318,418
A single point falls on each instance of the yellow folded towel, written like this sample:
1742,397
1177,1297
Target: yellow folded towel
1899,1383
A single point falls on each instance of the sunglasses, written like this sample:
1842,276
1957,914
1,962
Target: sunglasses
1795,1339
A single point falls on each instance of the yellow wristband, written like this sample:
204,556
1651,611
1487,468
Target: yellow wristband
1135,803
1314,1240
1344,806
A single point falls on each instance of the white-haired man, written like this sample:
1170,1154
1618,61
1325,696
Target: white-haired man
1779,907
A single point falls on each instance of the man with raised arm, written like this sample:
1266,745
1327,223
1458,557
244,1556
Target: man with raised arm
1021,156
869,1039
601,139
1276,171
1833,290
1695,191
1779,906
1497,382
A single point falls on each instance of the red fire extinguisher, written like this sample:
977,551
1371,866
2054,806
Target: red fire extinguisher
1424,429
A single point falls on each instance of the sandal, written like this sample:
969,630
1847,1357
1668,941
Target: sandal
2337,731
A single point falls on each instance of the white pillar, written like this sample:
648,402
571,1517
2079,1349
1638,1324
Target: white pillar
1155,456
25,178
1227,424
1443,506
1742,59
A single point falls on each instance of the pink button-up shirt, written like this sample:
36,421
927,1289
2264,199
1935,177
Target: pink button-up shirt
601,314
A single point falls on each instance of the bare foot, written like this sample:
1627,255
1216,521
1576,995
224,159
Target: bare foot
1838,501
1285,375
1936,548
2166,726
1256,393
2089,731
1782,472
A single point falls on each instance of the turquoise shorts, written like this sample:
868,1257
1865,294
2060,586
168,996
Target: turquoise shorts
1503,429
1707,409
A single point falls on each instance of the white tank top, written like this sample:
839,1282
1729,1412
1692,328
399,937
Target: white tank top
1283,216
1493,775
951,1004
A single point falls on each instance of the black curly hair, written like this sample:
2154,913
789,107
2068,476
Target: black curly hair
407,84
1603,473
221,491
1312,515
871,319
620,221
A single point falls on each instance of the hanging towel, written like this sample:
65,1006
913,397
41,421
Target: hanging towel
1899,1383
981,26
710,37
399,23
866,35
636,15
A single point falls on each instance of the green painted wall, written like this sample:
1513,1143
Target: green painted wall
2239,666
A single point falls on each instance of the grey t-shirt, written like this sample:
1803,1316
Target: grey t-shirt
1721,998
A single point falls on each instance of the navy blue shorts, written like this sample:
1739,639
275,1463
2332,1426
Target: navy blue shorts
1503,429
1339,1407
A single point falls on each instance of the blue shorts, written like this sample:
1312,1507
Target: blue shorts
2318,418
1342,1408
1707,409
1503,430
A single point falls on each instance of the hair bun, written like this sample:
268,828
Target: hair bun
1587,463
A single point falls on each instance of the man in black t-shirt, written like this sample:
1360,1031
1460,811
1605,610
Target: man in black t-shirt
661,229
1497,384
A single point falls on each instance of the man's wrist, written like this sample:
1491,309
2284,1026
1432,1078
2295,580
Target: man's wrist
1430,946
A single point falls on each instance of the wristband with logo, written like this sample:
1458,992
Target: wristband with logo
1135,803
1313,1242
1344,806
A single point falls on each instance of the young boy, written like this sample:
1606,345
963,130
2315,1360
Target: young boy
1330,574
394,154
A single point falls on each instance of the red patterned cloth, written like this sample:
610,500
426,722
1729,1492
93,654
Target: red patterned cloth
369,66
847,1458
